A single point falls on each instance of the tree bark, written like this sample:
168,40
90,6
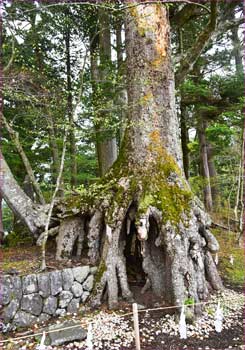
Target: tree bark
32,215
1,221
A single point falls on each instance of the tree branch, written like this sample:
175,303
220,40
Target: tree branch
142,2
191,56
11,60
184,15
101,5
15,138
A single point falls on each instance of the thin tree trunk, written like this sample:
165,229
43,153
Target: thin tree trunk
213,177
15,138
106,145
242,216
28,188
53,146
237,50
204,163
184,138
70,108
122,94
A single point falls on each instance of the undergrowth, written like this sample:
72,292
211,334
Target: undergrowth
233,274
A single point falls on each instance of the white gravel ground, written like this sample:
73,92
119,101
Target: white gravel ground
113,331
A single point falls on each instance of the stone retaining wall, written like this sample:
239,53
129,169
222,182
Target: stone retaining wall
36,298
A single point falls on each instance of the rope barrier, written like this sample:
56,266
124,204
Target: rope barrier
173,307
120,316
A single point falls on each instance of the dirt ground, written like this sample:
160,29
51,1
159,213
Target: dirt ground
24,260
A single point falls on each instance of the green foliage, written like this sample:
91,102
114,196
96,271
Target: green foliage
190,89
14,239
220,135
189,301
7,216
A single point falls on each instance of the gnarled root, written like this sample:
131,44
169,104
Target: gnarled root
70,229
176,256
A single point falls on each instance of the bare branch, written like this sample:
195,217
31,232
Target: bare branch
58,182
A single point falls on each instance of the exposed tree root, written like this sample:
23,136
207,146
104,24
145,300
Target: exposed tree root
176,257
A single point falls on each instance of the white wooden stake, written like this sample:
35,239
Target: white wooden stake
231,259
42,346
182,324
89,340
136,326
218,322
216,259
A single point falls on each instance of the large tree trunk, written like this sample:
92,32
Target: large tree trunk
144,202
31,214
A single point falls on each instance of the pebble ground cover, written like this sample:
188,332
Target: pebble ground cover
158,330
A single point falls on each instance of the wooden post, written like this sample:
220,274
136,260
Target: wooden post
136,326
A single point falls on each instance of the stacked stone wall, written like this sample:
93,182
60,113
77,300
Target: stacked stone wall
36,298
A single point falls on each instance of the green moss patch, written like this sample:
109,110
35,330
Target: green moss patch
233,274
158,184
